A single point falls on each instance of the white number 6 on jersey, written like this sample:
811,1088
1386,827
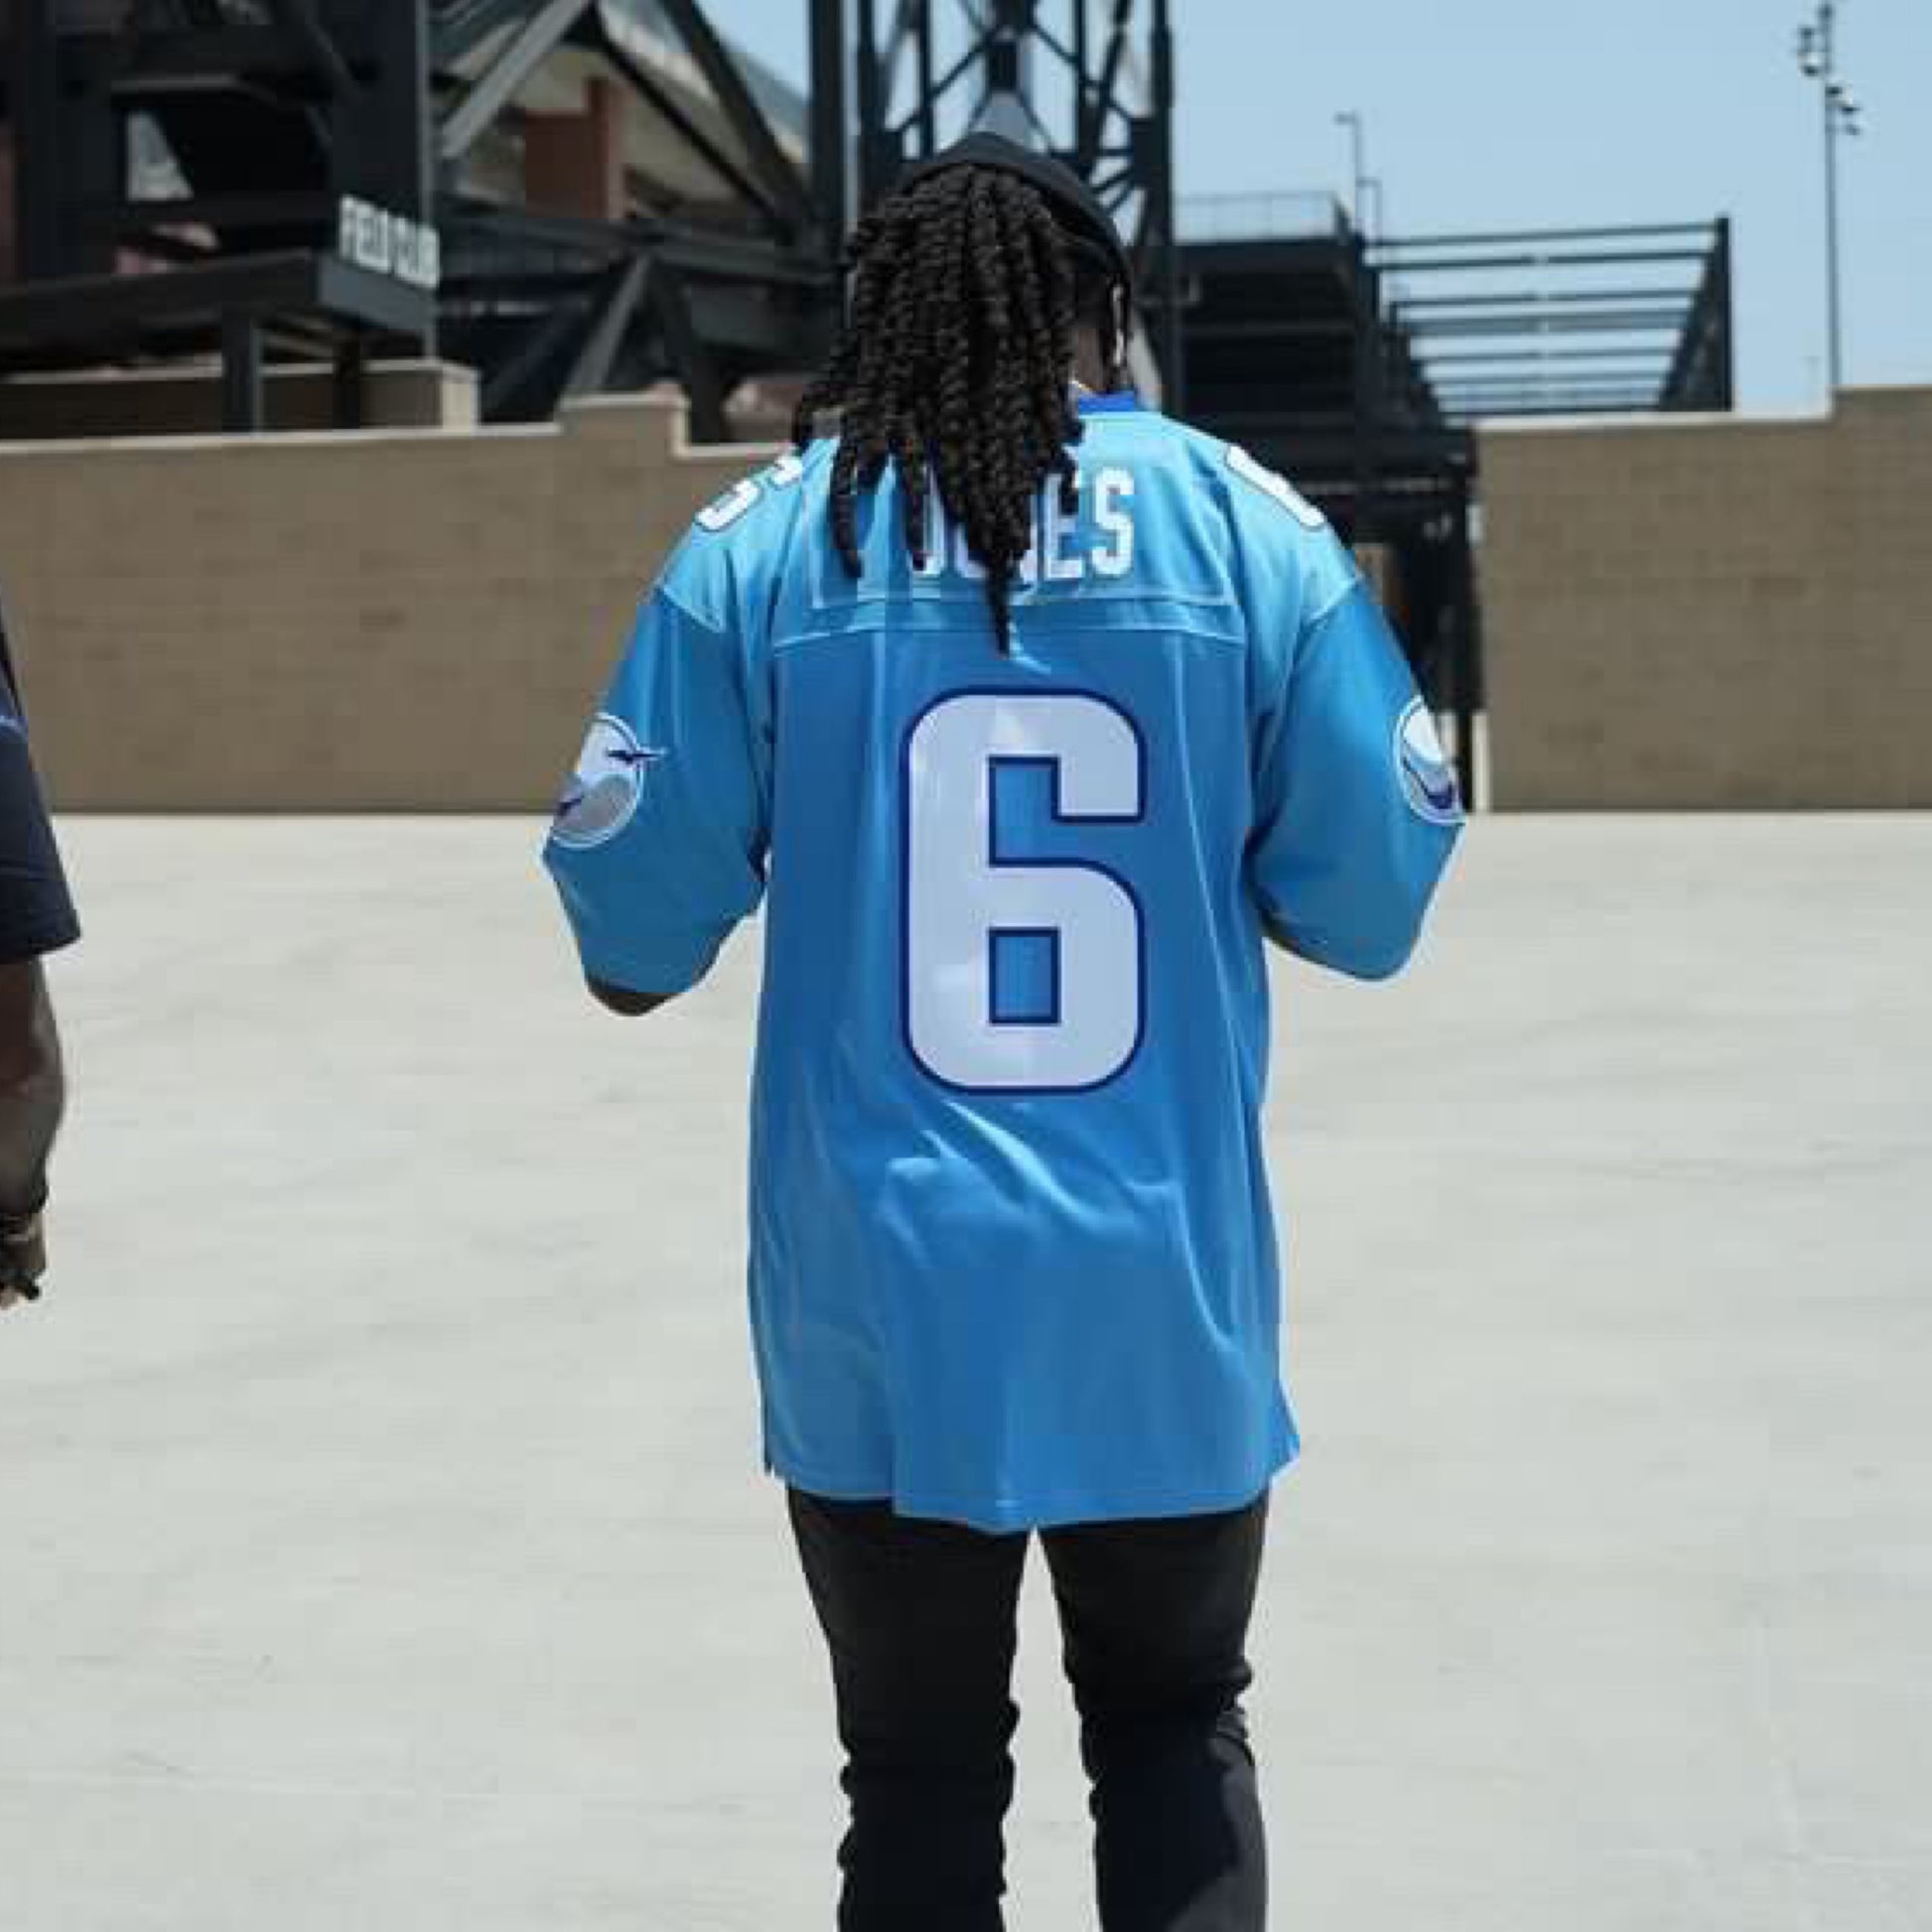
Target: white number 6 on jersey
960,898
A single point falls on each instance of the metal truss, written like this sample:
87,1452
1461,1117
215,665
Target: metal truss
1089,81
1566,322
276,114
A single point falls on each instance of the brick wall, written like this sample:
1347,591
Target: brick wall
1713,612
574,163
377,622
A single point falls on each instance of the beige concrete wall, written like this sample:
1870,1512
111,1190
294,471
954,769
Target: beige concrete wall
1689,614
372,621
1712,612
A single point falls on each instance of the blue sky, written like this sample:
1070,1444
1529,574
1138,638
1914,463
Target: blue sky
1519,113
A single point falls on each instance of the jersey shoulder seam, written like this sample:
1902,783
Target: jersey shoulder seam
1335,602
684,609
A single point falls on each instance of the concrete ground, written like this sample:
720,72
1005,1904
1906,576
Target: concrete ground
381,1541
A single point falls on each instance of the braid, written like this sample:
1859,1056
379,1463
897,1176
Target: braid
999,460
1053,280
953,368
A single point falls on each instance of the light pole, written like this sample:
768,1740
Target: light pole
1351,119
1818,60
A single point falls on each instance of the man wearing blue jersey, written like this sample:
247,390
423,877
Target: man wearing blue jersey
1028,713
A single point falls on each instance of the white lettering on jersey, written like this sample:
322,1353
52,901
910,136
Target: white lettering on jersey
740,499
1056,536
1053,533
1112,492
721,515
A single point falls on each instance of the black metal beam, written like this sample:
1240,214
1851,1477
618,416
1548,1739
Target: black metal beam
874,106
831,187
1465,640
1160,213
1724,299
299,22
1533,299
699,251
1400,244
1550,392
653,91
93,307
689,356
460,31
383,140
934,90
241,372
1608,258
740,326
351,368
1103,100
611,318
740,111
1701,371
1633,407
490,93
543,343
924,79
1535,358
1328,453
127,62
1611,321
33,90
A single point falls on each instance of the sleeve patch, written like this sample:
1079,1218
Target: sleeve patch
1427,778
603,794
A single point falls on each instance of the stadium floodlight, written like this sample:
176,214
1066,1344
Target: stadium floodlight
1818,61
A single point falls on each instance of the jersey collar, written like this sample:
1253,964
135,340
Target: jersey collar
1120,403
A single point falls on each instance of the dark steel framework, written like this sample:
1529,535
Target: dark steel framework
1358,369
1361,371
1089,81
1555,323
275,110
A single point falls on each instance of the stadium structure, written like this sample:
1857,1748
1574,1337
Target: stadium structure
578,196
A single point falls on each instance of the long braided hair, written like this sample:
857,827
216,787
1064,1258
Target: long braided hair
954,365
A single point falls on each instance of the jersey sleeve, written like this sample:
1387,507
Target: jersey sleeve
658,843
1356,808
36,911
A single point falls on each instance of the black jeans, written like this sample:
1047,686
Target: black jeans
920,1618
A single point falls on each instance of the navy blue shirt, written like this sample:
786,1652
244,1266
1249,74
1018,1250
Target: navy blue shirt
36,913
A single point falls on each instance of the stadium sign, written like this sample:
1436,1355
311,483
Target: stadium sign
386,243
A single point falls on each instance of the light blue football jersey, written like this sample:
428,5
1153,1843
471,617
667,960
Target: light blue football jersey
1012,1261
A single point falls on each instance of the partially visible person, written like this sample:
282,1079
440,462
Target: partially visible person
37,918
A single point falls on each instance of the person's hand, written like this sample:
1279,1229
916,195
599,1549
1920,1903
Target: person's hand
23,1260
